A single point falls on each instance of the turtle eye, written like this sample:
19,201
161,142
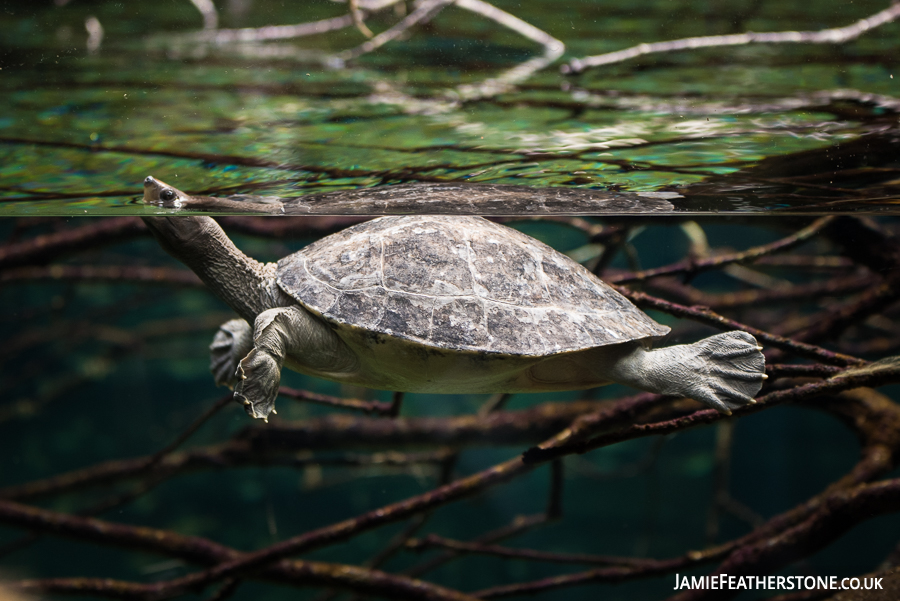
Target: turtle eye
167,194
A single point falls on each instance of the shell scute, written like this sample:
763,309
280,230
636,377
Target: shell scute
366,306
460,283
509,274
563,330
459,323
315,293
358,265
407,315
573,288
515,327
425,261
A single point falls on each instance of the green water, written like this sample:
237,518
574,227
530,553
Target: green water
723,128
99,370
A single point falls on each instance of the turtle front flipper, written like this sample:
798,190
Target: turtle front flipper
259,373
286,332
230,344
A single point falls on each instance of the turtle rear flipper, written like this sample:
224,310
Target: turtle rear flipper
731,370
230,344
724,371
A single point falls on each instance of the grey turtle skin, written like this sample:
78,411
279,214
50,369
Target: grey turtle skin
439,304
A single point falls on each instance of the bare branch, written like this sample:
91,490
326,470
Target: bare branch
376,407
704,315
824,36
357,16
874,375
691,266
126,274
553,49
208,10
434,541
271,32
425,11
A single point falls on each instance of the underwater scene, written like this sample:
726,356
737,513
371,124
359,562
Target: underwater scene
450,300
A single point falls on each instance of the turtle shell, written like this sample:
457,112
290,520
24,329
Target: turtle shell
460,283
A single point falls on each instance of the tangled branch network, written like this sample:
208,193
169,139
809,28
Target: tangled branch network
851,256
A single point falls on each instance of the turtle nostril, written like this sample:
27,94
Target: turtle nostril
149,179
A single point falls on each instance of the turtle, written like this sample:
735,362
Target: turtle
439,304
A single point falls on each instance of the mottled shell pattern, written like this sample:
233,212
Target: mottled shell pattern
460,283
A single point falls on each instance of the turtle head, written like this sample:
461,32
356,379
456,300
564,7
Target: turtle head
162,194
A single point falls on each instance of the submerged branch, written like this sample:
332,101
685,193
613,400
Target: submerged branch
709,317
690,266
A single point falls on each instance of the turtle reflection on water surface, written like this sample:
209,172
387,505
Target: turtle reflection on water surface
439,304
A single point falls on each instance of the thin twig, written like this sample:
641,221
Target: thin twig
691,266
709,317
426,10
519,525
434,541
357,16
376,407
126,274
553,49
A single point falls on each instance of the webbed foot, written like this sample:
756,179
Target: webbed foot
258,377
723,371
730,370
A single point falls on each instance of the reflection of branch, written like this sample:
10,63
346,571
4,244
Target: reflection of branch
357,17
553,49
824,36
424,11
208,10
272,32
